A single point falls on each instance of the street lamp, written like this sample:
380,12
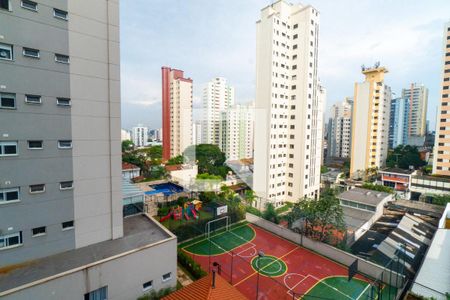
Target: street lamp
260,254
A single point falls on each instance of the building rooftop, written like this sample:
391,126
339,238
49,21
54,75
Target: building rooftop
139,232
129,189
354,218
202,289
364,196
397,171
128,166
170,168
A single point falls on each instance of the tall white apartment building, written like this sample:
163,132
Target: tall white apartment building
217,97
236,132
139,135
197,132
125,135
418,104
288,107
176,112
370,122
340,129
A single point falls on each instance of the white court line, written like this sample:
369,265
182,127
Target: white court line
218,246
247,256
272,262
332,287
230,231
368,285
289,292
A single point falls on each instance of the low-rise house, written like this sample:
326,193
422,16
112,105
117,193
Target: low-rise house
130,171
399,180
362,207
182,174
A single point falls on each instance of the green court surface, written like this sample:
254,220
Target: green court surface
269,266
221,242
339,288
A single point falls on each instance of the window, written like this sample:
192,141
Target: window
9,195
99,294
66,185
67,225
167,277
31,5
60,14
29,52
11,240
65,144
7,100
295,26
35,144
37,188
4,4
33,99
63,102
295,36
62,58
8,148
147,285
6,51
38,231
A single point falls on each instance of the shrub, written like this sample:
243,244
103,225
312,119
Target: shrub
190,265
157,295
253,210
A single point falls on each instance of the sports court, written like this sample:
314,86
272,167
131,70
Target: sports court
286,270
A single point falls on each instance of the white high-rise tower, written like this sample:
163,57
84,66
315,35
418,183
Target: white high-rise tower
289,100
217,97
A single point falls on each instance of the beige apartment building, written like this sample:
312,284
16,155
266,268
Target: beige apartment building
370,122
288,105
441,163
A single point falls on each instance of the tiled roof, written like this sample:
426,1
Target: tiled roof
202,290
170,168
128,166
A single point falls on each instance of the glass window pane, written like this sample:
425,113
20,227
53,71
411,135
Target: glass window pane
10,196
10,149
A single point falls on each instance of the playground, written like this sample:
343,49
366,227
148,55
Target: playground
265,266
190,210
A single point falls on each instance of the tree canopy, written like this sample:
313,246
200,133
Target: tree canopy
376,187
404,156
127,145
209,159
320,218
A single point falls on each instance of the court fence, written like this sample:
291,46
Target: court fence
231,267
381,274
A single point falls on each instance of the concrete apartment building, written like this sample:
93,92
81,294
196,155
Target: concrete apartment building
370,127
139,136
441,158
399,122
340,129
418,103
236,132
176,112
217,97
125,135
197,132
288,106
62,233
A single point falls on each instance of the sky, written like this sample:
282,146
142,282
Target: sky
216,38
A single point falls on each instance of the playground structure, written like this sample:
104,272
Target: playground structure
189,210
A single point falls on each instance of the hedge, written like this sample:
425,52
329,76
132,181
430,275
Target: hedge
190,265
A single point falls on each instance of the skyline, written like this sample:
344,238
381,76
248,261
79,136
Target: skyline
343,47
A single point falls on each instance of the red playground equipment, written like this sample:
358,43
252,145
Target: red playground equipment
189,211
175,213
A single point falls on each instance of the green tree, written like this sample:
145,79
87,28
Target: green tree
127,145
270,214
404,156
209,159
323,169
177,160
440,199
249,197
320,217
378,188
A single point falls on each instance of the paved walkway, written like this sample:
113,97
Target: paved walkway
183,278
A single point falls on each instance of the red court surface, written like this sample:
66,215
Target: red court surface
305,269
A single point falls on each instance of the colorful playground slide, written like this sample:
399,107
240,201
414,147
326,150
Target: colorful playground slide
166,217
194,213
186,215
